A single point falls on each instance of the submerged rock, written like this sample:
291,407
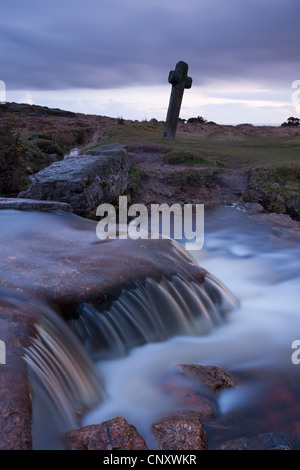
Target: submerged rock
184,393
100,175
196,387
115,434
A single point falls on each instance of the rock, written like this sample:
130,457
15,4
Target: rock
53,157
196,387
70,265
264,441
34,136
100,175
180,431
212,378
115,434
33,205
186,392
282,220
252,207
236,180
293,206
16,328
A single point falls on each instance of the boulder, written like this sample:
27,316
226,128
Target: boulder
100,175
181,430
115,434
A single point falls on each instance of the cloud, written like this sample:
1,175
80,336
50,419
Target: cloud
66,44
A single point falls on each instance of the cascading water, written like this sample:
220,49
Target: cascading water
139,310
156,291
260,263
64,383
152,312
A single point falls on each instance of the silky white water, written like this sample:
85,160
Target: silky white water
260,264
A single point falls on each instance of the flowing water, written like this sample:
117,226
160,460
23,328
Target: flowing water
243,318
260,264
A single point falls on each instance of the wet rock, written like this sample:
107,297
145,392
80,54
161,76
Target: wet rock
283,220
186,392
33,205
100,175
115,434
196,387
180,431
15,409
264,441
16,328
212,378
59,259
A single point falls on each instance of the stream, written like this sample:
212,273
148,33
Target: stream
259,263
56,256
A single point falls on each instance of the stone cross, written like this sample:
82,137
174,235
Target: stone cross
179,80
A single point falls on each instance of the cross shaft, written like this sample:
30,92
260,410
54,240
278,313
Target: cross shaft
179,81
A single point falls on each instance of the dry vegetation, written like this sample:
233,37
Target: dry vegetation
32,136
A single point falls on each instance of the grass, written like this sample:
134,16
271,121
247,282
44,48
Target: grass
231,151
272,160
174,157
277,188
135,177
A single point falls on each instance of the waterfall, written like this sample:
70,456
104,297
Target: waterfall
64,383
151,312
60,365
90,300
119,294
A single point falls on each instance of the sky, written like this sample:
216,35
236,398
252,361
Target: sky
113,57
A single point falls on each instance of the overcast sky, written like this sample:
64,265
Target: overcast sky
112,57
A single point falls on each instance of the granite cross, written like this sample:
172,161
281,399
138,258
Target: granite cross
179,80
